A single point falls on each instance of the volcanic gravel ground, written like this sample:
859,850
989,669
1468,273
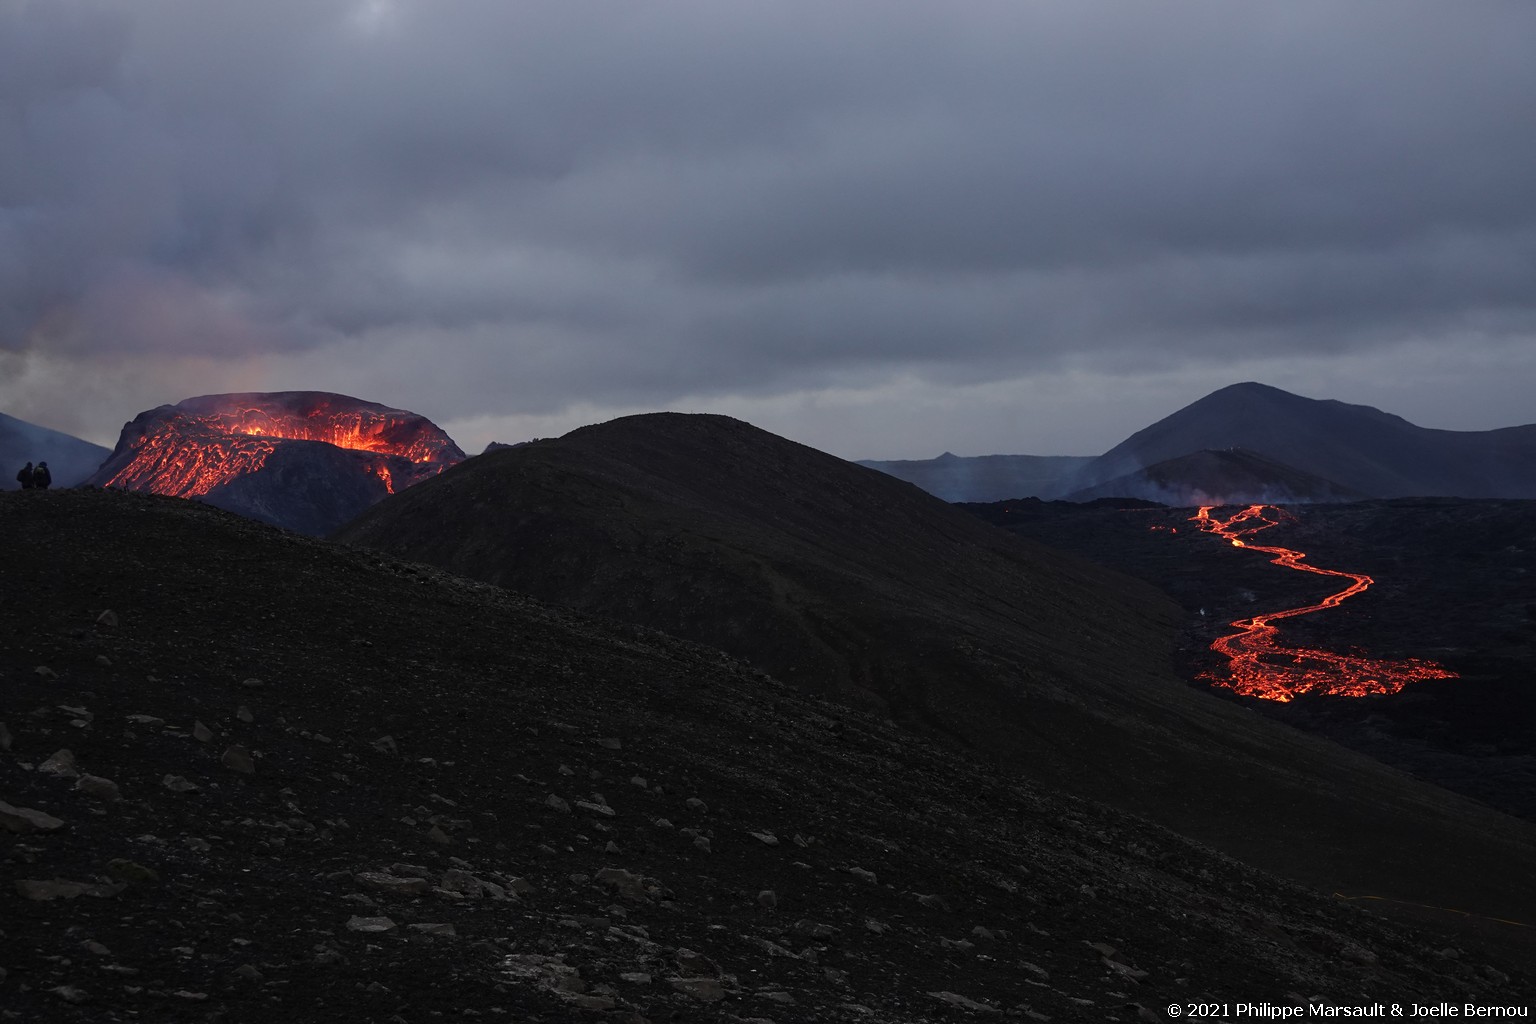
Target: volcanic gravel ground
1455,583
353,789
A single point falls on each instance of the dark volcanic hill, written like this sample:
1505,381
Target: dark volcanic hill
847,582
249,776
1355,446
70,460
305,460
1229,477
986,477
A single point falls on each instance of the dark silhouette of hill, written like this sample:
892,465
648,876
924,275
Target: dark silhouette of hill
1355,446
305,460
986,477
251,776
70,459
849,583
1230,477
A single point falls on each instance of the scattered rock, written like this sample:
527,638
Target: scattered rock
768,898
64,889
555,803
62,764
107,618
766,838
956,999
252,683
411,870
244,714
46,672
383,882
70,993
461,882
178,784
370,924
95,785
866,875
385,745
201,733
27,819
237,758
246,972
1124,970
701,842
813,929
695,804
934,902
626,883
611,743
442,930
5,737
131,872
438,836
706,990
147,721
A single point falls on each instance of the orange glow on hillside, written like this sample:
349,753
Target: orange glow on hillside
188,453
1259,665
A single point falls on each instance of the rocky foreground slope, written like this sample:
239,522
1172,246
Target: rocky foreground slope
248,776
840,580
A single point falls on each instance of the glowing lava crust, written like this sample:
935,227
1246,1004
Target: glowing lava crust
200,445
1260,666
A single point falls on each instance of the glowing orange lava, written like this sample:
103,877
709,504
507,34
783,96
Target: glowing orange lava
202,444
1261,666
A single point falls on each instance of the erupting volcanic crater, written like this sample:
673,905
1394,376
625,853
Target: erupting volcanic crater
307,460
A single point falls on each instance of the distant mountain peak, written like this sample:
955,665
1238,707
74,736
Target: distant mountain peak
1358,448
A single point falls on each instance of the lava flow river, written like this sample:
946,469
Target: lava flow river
1259,665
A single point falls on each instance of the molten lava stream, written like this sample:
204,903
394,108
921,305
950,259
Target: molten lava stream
1261,666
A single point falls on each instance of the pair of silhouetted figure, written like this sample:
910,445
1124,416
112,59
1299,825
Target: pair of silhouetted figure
34,478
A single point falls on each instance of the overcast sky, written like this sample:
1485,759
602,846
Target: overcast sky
885,229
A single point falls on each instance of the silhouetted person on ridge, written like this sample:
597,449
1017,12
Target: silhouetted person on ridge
25,477
41,478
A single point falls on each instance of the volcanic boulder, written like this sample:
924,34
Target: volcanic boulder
305,460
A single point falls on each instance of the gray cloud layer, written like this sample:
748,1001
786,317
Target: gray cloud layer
520,206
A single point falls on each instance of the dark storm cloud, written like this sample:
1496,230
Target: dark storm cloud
534,202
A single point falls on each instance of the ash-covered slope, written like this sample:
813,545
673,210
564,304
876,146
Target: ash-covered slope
1355,446
841,580
305,460
1231,477
70,459
312,783
986,477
